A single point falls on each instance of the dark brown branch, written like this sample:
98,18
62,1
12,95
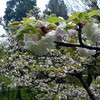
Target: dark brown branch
82,45
79,34
58,88
77,45
85,85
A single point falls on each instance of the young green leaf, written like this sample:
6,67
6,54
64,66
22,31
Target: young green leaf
69,26
15,23
14,26
26,29
74,16
24,19
54,19
28,21
94,12
82,15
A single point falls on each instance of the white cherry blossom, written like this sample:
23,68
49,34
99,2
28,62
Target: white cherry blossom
38,47
91,31
85,52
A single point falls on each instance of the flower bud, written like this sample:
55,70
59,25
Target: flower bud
20,25
59,37
22,22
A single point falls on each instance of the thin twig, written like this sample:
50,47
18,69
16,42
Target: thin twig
58,88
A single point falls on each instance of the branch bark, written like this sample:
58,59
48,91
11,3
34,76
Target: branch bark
76,45
85,85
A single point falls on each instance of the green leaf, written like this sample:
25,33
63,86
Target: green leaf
94,12
77,17
25,29
44,23
53,25
14,32
69,26
76,20
28,21
25,18
71,18
15,23
98,82
99,27
74,40
74,16
19,30
54,19
82,15
14,26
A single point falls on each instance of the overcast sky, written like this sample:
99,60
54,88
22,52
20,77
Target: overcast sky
41,4
2,7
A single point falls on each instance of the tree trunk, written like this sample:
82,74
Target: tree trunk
8,93
18,95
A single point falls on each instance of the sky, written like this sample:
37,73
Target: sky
2,7
41,4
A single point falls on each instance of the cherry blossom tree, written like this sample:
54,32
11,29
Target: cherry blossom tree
56,57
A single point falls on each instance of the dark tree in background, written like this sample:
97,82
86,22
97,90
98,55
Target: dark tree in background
16,9
83,5
93,5
56,7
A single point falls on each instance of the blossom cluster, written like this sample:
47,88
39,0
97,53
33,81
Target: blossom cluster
31,58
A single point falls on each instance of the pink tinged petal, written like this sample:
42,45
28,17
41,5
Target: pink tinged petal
20,25
59,37
22,22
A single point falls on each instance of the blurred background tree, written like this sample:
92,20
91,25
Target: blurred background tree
16,9
56,7
93,5
83,5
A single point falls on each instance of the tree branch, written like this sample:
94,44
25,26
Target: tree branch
79,34
82,45
85,85
77,45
